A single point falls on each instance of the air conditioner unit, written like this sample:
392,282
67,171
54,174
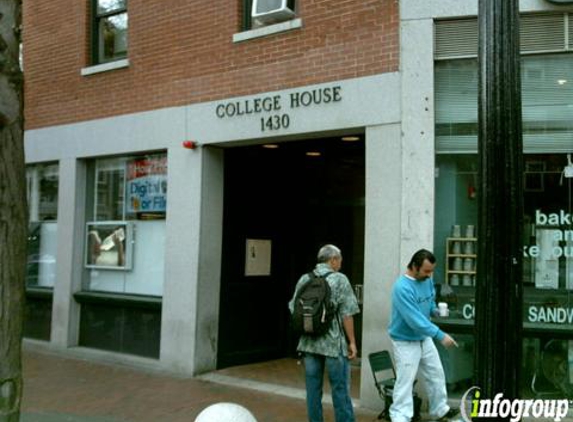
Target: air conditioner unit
266,12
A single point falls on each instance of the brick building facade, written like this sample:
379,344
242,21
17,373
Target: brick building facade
185,163
183,52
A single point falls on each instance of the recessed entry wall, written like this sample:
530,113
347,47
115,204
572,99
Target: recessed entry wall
284,200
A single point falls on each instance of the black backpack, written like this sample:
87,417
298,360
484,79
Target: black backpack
313,310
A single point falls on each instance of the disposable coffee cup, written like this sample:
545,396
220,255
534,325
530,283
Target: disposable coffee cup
470,231
468,264
468,248
443,310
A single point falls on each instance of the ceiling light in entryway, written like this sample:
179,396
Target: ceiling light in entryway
270,146
350,138
313,154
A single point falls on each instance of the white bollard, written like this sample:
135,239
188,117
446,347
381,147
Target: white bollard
225,412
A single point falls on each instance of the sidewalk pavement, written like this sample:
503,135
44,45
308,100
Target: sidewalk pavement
67,389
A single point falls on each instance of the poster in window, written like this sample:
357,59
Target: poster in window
258,257
547,263
147,185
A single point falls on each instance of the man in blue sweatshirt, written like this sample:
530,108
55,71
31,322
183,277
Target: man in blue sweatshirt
412,333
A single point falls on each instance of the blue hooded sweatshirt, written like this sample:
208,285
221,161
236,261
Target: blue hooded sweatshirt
413,302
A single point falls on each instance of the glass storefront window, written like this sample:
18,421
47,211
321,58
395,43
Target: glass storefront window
110,189
547,261
458,363
42,195
456,233
547,97
547,232
125,233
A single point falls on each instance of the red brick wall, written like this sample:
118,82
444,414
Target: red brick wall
182,52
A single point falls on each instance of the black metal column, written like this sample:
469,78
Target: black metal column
499,291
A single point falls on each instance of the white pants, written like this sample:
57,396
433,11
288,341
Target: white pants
409,356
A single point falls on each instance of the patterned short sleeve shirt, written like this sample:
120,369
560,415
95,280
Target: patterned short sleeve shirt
333,343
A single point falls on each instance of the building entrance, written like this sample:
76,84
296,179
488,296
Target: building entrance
281,203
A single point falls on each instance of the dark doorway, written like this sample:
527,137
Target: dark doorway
299,195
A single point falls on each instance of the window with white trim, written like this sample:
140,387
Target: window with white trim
110,24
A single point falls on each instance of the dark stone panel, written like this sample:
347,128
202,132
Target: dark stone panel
120,324
142,332
38,314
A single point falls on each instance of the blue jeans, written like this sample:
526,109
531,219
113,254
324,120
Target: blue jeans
339,376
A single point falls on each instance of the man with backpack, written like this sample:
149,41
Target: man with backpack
325,297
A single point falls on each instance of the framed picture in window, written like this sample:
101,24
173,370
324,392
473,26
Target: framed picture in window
109,245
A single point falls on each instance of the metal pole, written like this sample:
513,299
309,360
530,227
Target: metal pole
499,291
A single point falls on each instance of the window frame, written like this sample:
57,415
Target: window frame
96,19
248,24
247,21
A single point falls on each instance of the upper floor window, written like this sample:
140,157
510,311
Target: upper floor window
109,30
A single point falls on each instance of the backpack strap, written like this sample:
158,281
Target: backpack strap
336,314
324,277
312,275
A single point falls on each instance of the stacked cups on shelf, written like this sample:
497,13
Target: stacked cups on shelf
469,264
466,261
